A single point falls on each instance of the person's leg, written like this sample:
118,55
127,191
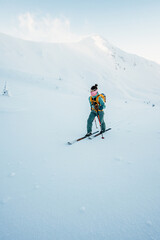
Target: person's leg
103,125
90,122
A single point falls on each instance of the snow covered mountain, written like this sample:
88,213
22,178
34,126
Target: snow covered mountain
79,65
95,189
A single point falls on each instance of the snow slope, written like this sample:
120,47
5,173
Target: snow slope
78,65
95,189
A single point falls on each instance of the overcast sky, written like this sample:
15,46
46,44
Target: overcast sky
133,26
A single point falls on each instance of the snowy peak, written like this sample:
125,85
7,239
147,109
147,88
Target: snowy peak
102,44
96,40
80,64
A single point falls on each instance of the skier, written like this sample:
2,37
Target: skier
97,103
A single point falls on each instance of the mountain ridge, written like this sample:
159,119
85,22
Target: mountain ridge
82,63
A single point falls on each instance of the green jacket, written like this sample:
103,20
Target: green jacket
102,104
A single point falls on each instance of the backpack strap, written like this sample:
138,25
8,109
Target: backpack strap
97,99
94,101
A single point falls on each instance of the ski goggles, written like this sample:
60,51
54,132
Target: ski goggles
94,93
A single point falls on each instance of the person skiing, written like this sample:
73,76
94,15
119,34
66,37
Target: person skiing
97,104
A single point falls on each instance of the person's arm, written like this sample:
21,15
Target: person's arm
90,102
102,104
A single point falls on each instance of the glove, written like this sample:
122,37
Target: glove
96,107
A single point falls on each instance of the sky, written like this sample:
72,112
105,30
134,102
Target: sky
133,26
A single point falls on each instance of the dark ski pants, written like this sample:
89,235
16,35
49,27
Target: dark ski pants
91,118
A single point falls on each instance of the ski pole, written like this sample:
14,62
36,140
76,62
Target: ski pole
100,123
95,123
94,119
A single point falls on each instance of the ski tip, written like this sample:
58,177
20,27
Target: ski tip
69,143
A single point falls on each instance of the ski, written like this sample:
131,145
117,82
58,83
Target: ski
100,133
79,139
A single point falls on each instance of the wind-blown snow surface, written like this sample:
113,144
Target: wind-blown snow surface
95,189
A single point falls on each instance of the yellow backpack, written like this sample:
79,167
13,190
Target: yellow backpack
96,101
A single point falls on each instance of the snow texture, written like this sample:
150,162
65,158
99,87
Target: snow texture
94,189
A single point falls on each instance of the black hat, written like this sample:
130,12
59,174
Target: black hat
95,87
